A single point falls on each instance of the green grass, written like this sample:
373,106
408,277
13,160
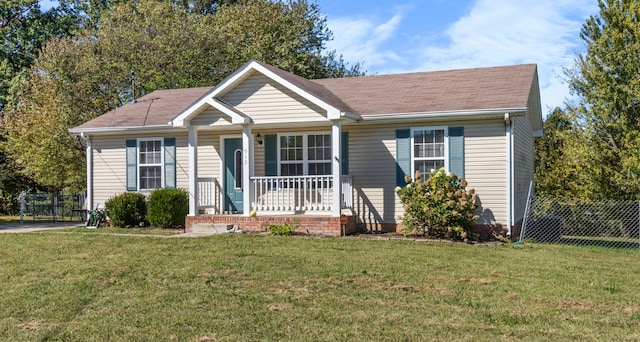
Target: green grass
238,287
111,230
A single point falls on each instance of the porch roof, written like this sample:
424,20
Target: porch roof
478,89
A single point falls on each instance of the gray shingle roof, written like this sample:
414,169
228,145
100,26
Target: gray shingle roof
505,87
154,109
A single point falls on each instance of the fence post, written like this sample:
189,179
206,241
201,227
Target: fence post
526,213
54,211
638,224
21,200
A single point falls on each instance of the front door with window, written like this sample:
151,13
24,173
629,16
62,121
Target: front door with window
233,175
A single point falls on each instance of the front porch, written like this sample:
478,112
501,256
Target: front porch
279,195
237,188
272,146
307,200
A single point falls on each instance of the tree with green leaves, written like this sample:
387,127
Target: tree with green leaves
78,78
557,172
606,80
24,28
289,35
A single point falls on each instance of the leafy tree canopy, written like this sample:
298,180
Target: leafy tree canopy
24,28
606,80
168,45
557,171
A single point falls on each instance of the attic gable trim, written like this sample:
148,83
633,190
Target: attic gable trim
237,117
333,113
238,76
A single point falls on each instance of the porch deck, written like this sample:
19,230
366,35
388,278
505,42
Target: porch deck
275,195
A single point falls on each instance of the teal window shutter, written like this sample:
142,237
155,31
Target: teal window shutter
170,163
403,155
132,164
456,151
345,153
271,155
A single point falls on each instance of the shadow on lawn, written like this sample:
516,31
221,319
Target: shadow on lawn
599,242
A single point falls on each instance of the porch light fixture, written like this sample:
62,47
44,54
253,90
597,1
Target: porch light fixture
259,139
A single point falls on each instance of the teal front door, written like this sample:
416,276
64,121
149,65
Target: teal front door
233,175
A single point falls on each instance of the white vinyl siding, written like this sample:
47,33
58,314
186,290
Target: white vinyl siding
372,165
109,164
269,102
372,149
486,169
211,117
372,153
523,164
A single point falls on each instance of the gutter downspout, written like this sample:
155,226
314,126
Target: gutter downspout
509,135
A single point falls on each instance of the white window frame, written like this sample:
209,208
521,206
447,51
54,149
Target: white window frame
305,151
446,147
139,165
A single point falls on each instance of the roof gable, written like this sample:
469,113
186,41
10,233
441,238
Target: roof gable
307,89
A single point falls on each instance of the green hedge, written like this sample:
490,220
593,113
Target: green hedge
168,208
127,210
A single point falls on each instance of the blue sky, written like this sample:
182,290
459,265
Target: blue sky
396,36
424,35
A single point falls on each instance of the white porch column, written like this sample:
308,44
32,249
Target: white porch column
336,162
193,171
89,199
247,167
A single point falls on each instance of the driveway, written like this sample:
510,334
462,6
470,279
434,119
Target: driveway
28,227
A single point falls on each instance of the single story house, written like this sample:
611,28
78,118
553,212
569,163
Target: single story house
291,148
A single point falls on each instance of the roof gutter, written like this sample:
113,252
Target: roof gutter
132,129
352,116
448,115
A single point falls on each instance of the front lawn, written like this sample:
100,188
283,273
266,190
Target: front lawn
240,287
135,231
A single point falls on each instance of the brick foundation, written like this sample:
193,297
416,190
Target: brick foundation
312,225
330,226
484,232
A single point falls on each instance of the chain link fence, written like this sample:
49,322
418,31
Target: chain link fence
43,207
604,223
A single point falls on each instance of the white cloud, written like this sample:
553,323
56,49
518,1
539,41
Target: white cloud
493,32
507,32
361,39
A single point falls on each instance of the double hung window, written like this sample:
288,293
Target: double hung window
429,149
305,154
150,164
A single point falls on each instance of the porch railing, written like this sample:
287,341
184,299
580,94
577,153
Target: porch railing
299,193
347,192
208,194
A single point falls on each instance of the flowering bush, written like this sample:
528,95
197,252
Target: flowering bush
439,206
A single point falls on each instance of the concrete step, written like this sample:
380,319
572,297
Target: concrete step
213,228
